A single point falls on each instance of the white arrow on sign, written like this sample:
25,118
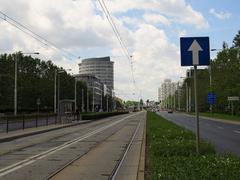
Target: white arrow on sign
195,48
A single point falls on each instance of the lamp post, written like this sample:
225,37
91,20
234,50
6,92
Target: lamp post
210,77
15,78
57,73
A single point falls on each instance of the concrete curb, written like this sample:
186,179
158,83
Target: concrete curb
141,167
13,137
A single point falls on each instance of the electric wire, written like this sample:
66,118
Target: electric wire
34,35
117,34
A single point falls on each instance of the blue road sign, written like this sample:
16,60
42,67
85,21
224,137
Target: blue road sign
195,51
211,98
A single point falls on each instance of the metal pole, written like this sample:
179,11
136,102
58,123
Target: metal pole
186,97
196,109
178,97
174,100
75,95
101,101
190,99
58,107
210,83
55,91
107,103
82,100
93,101
87,101
15,85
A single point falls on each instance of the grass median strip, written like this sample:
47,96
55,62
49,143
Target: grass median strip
171,154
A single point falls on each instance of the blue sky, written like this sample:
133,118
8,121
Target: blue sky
149,28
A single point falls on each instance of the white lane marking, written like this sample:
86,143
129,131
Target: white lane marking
32,159
236,131
219,127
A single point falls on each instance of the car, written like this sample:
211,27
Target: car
170,111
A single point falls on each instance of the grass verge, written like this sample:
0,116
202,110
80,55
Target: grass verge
171,154
221,116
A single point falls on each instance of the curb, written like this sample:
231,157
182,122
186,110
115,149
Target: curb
40,132
141,167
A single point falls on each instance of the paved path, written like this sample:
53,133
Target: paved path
224,136
89,151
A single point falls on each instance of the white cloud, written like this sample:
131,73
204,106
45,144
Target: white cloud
178,10
154,60
220,15
156,19
78,26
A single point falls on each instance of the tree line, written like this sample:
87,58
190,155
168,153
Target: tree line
36,81
225,77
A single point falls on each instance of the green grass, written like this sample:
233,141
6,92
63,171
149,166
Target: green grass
171,154
221,116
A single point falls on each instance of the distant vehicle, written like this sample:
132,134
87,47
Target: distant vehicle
170,111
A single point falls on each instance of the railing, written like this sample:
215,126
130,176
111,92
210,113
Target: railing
11,123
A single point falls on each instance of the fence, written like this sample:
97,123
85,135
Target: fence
11,123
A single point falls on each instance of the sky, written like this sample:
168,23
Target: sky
150,29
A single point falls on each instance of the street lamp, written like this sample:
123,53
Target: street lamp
57,73
210,76
15,78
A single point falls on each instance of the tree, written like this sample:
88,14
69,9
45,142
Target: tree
35,81
236,40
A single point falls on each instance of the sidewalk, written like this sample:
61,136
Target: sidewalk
5,137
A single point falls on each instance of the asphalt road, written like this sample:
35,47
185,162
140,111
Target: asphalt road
87,151
224,136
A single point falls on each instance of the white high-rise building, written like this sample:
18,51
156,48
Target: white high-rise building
165,93
102,68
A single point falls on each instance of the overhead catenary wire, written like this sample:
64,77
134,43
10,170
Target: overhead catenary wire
36,36
117,34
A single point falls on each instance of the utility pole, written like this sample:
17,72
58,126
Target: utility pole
93,101
101,101
107,103
15,85
15,80
87,101
210,83
186,97
82,100
75,94
55,91
179,108
58,94
190,99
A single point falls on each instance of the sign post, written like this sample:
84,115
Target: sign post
195,51
232,99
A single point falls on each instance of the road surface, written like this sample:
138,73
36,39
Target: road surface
224,136
103,149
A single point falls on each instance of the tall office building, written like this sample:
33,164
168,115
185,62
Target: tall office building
102,68
167,90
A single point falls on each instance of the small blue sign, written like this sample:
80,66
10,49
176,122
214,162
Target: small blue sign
211,98
195,51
